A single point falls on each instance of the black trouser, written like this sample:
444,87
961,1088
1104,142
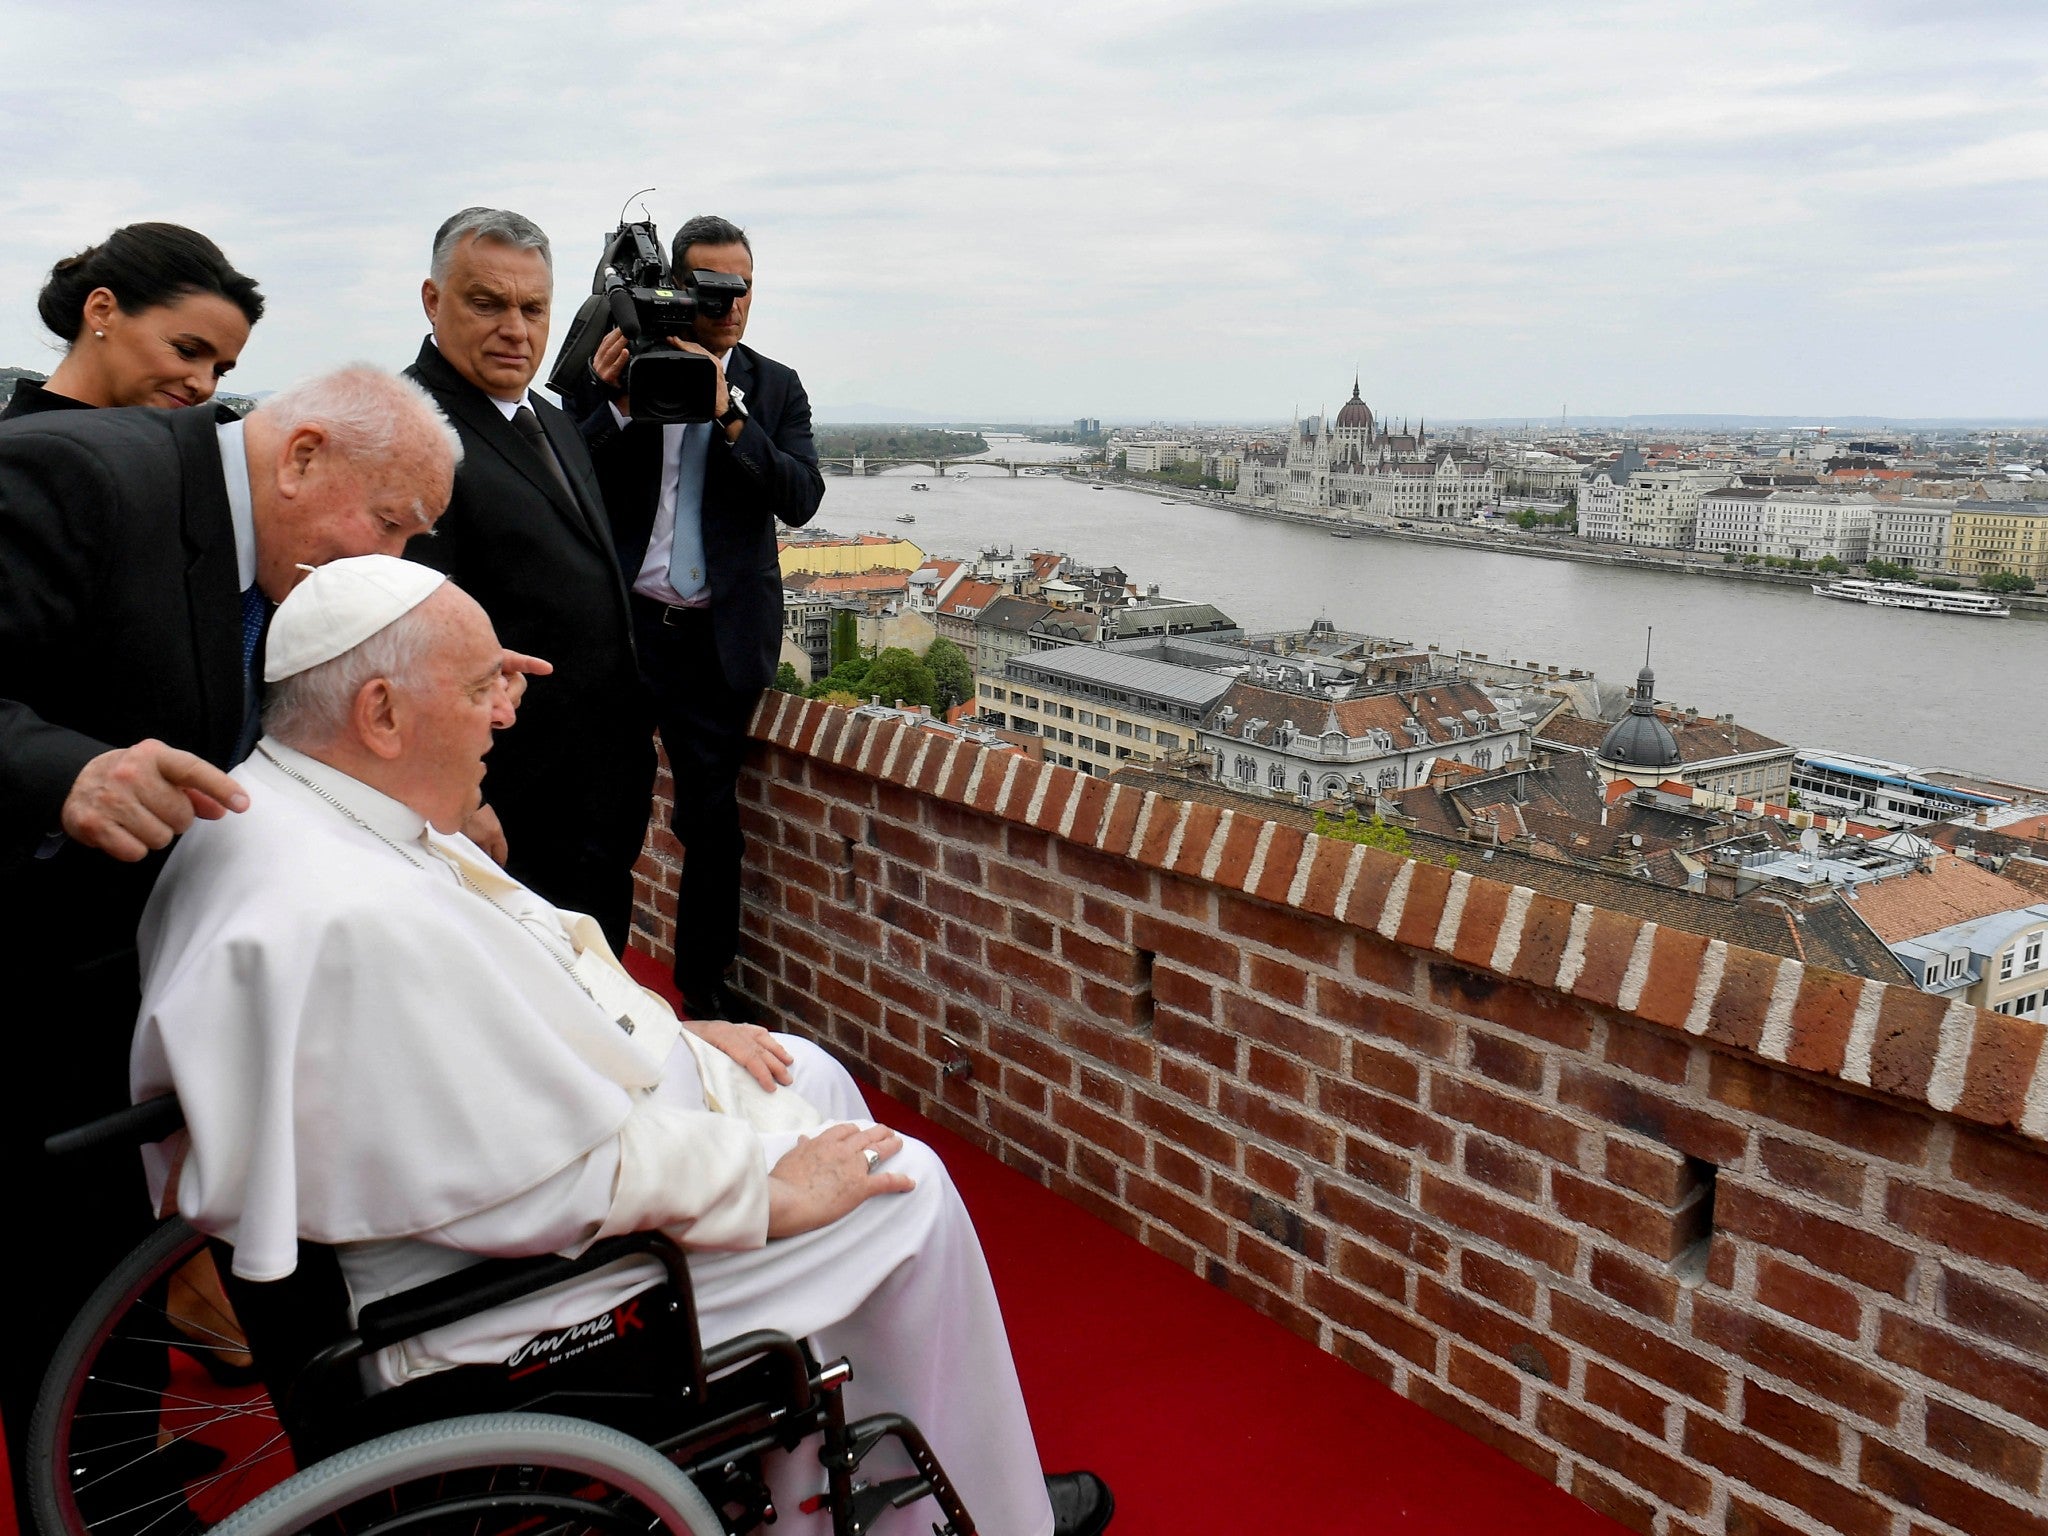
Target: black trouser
703,722
73,1218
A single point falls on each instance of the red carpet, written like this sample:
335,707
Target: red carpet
1203,1415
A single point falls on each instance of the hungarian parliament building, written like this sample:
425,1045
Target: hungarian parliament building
1357,466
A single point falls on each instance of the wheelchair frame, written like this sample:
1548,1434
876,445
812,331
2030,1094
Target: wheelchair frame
708,1412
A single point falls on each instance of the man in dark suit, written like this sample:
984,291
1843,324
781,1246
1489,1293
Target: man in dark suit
139,553
526,536
693,512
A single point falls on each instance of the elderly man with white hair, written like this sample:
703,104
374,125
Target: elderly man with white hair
140,551
384,1043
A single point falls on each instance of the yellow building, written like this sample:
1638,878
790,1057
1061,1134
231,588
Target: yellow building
835,556
1988,536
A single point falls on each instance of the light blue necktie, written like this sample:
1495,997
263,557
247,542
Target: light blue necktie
686,555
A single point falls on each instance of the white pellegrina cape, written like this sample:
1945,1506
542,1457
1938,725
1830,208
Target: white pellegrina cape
364,1049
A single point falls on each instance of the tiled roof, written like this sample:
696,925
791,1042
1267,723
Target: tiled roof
970,597
1430,706
1701,739
1954,891
1013,615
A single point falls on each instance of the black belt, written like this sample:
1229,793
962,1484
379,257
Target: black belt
669,613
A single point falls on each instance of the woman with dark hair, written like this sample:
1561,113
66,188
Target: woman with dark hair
154,315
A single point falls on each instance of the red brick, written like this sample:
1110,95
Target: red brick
1649,1051
1106,917
1276,1121
1507,1285
1175,988
1186,898
1281,1076
1306,938
1348,1307
1662,1234
1743,1210
1264,1261
1042,894
1373,1164
1746,1519
1272,1172
1481,1216
1610,941
1239,844
1506,1061
1279,981
1501,1168
1429,886
1999,1165
971,907
1795,1358
1957,1362
1907,1041
1792,1291
1514,1119
1374,959
1529,1350
1673,977
1983,1447
1476,1377
1624,1399
1026,1131
1964,1226
1823,1013
1625,1509
1176,1031
1090,1124
1635,1286
1393,1230
1018,964
1120,1048
1821,1108
1545,933
1828,1175
1087,869
1743,999
1656,1173
1486,903
1183,1129
1192,947
1165,817
1639,1350
1918,1485
1372,1269
1180,1170
1749,1460
1283,857
2004,1056
1312,1042
1330,860
1547,1015
1170,1206
1385,1070
1363,1358
1190,1080
1112,962
1691,1131
1994,1312
1384,1017
1482,1427
1813,1434
1646,1466
1390,1120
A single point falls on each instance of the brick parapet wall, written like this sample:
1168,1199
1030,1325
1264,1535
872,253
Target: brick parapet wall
1718,1241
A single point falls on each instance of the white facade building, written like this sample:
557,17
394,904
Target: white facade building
1913,532
1359,468
1629,502
1787,525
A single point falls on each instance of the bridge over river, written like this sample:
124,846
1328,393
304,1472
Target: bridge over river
861,464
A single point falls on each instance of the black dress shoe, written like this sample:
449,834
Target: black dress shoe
1081,1503
716,1000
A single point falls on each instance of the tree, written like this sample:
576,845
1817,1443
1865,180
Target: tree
952,673
1946,584
2006,581
1887,570
848,678
844,644
899,674
1122,458
1829,565
1350,828
786,680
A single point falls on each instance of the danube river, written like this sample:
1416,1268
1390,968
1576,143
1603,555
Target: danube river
1934,690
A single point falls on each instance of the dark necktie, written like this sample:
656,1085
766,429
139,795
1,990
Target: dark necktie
537,439
255,617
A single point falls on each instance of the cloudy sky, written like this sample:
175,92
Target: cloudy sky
1130,209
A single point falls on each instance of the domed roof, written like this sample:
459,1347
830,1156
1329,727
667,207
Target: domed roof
1356,413
1639,739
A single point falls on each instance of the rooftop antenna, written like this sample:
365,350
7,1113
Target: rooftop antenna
1648,631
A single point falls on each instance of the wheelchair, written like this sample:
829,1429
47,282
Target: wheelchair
184,1398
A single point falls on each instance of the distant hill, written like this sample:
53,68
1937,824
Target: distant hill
864,414
1707,422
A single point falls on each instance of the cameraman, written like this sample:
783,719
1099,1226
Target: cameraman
693,510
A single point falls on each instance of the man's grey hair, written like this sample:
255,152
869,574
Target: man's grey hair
706,229
500,224
368,414
312,708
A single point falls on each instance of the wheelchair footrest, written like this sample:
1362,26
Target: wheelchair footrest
929,1480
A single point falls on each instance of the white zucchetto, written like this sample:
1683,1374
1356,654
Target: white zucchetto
337,606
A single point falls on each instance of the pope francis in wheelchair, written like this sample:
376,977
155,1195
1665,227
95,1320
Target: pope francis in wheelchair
401,1071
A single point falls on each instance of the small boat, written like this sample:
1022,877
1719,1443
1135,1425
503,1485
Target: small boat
1340,533
905,517
1166,501
919,485
1904,594
1098,486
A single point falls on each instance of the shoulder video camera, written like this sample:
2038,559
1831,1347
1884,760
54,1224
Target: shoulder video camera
635,291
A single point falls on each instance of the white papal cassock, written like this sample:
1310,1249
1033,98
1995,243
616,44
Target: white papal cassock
383,1044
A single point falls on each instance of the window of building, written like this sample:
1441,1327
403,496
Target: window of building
1066,711
1123,727
1143,733
1169,741
1957,962
2031,959
2005,964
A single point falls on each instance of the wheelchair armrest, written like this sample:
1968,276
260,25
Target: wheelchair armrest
495,1282
137,1125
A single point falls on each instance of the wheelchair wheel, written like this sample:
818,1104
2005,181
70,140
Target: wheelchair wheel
490,1474
151,1421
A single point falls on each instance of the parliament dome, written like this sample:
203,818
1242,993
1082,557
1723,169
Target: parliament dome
1356,413
1639,739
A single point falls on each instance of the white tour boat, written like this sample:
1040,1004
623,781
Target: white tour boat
1904,594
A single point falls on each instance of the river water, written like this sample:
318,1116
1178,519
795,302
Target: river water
1934,690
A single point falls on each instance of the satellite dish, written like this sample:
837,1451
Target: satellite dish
1809,841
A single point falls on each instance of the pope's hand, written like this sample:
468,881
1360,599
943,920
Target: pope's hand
483,828
824,1176
132,800
516,668
766,1059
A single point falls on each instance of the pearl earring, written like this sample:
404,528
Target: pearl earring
101,334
